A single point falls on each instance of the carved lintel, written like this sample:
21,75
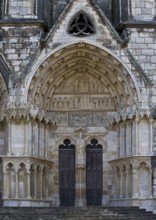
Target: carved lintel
80,129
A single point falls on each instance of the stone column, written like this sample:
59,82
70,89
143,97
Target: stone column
135,179
28,185
118,140
41,184
154,181
17,190
45,141
123,184
150,182
6,185
46,185
127,183
80,173
35,184
80,186
9,139
25,139
120,184
32,139
137,151
39,139
151,136
115,185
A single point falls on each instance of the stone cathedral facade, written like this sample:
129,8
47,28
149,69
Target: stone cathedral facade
78,103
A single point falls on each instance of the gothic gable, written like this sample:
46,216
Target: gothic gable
81,19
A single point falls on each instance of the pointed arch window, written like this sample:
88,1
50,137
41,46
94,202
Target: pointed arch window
35,7
81,25
4,5
120,10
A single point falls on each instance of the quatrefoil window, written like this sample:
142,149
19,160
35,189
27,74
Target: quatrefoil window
81,25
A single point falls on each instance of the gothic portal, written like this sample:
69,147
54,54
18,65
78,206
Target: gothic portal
78,97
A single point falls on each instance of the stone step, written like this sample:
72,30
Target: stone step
72,213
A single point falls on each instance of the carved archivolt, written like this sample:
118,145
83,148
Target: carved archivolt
82,77
3,93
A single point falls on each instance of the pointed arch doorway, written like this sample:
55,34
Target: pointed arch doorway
94,173
81,95
67,173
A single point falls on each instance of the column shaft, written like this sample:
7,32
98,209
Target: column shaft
17,191
135,183
28,185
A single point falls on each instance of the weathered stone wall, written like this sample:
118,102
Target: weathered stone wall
143,46
19,45
143,10
20,9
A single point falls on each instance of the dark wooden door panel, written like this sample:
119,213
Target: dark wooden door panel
94,174
67,174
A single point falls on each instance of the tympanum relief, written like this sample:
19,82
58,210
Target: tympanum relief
82,92
81,100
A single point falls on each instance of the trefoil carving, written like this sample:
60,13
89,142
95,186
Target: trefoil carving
81,25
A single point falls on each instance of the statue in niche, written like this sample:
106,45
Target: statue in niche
36,100
95,103
65,103
91,86
71,86
96,86
80,86
128,100
71,103
76,83
47,103
80,149
78,102
54,104
115,102
86,84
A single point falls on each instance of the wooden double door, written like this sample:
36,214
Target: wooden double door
67,174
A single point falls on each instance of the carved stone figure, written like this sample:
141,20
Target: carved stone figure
80,149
